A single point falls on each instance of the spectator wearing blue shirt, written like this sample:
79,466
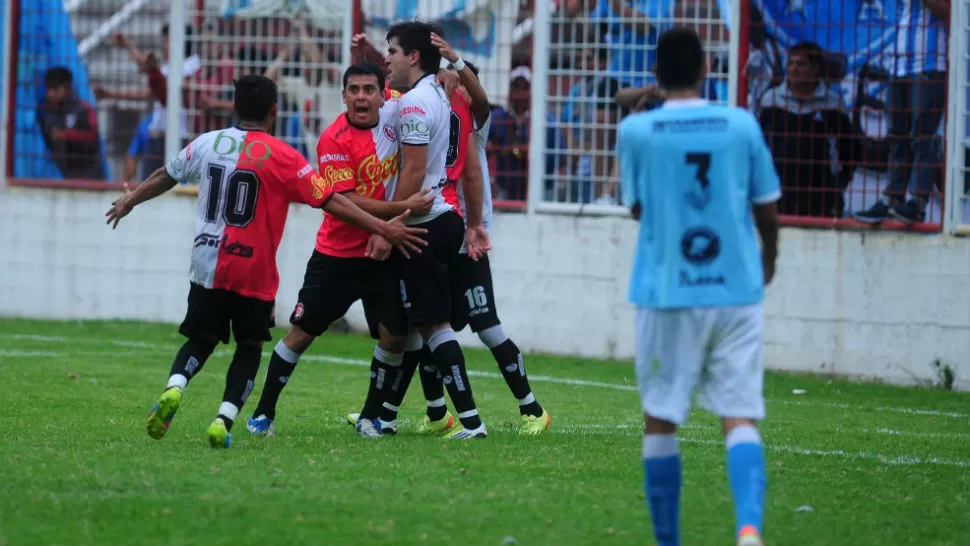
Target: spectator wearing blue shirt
509,139
633,28
136,151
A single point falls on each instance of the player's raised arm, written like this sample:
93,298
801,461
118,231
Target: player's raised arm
181,167
630,172
473,186
469,78
765,193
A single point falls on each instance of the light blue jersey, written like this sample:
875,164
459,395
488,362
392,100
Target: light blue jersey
695,169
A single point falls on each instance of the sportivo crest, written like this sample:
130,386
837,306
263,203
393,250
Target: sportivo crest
859,29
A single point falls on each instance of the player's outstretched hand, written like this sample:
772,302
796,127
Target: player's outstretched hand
120,208
477,242
447,52
421,202
403,237
378,248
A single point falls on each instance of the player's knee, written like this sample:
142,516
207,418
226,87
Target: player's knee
730,423
251,343
413,342
202,346
390,342
654,425
493,337
427,332
297,340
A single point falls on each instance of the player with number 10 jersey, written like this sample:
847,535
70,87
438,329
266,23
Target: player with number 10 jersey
247,178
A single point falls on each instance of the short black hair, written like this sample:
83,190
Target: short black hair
416,36
58,76
472,67
811,50
254,97
365,69
680,59
188,37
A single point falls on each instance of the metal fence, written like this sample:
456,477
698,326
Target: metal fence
553,69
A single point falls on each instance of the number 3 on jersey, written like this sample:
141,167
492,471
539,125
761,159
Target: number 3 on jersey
702,160
237,196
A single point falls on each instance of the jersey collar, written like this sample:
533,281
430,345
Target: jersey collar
684,103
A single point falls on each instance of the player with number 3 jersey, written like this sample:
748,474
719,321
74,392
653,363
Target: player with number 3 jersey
247,178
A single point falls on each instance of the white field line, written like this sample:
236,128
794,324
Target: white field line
473,373
908,460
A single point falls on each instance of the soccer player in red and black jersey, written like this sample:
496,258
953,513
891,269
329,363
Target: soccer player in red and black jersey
247,180
359,155
473,301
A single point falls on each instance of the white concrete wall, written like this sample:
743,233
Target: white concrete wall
868,304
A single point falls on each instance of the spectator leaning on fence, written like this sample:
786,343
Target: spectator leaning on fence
70,128
800,119
154,155
917,100
510,138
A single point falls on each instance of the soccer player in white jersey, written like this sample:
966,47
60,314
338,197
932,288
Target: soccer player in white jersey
247,179
691,173
424,132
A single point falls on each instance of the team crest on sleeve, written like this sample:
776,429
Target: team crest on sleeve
298,312
390,133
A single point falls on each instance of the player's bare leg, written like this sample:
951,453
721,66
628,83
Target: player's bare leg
187,364
240,380
747,474
662,478
385,378
286,354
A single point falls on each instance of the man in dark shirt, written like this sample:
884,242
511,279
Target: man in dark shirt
70,128
801,119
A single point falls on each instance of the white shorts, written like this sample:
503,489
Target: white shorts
717,351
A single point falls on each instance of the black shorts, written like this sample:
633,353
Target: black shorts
213,312
331,285
472,297
425,278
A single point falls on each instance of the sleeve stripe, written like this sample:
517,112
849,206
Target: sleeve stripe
767,198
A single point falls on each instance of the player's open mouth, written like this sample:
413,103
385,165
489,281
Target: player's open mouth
362,110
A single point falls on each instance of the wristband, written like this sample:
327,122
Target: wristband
459,64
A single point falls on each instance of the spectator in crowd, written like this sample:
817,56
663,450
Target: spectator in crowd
211,86
154,155
509,138
801,118
70,128
136,151
632,30
917,100
589,127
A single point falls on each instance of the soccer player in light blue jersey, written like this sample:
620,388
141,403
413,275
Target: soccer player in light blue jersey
699,178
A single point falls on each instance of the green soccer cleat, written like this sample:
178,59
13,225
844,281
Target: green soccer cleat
440,427
218,434
530,425
161,416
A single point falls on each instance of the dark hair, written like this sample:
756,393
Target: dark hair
811,50
416,36
365,69
254,97
188,37
680,59
58,76
472,67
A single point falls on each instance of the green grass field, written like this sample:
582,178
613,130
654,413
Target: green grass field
849,464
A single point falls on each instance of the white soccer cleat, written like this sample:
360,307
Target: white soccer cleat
368,428
462,433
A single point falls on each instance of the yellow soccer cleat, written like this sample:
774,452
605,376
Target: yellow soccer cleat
218,434
164,411
440,426
530,425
